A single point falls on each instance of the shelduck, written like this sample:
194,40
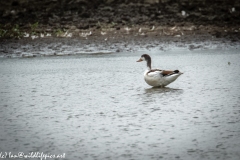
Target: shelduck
158,77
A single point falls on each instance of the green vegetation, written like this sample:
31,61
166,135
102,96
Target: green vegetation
15,31
33,28
59,32
2,32
8,31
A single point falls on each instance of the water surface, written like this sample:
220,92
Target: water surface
98,106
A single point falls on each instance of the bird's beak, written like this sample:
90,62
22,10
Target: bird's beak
140,60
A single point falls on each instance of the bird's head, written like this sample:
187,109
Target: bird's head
144,57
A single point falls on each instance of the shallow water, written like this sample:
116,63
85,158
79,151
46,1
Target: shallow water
99,107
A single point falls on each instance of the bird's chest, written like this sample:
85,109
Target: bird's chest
153,79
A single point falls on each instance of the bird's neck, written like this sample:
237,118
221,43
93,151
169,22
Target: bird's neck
149,64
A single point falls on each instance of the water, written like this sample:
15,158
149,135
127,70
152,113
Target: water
99,107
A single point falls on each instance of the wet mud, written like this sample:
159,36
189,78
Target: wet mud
113,41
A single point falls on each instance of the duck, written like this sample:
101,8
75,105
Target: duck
158,77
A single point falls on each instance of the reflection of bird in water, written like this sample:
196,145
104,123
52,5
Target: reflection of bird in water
157,77
163,90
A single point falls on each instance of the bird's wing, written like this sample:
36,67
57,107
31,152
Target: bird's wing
153,72
167,73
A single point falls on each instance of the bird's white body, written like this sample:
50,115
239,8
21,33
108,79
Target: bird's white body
156,79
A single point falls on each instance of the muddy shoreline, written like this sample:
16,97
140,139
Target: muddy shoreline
123,40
